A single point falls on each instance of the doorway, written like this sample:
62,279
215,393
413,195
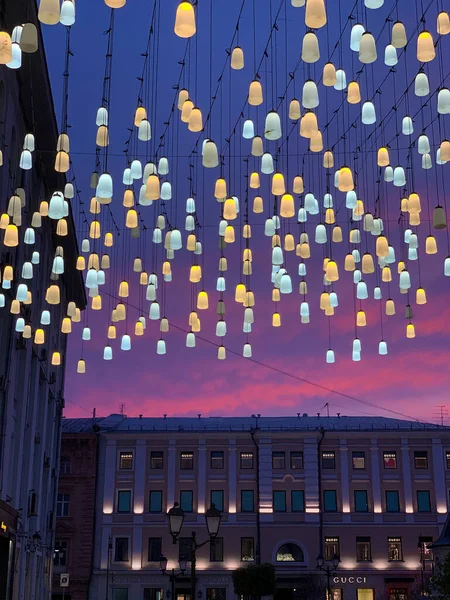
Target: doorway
284,594
182,594
4,566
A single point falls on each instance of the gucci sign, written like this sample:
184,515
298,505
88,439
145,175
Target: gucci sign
350,579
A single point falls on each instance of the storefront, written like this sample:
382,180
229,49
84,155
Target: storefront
370,587
8,524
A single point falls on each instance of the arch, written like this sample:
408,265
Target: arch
290,551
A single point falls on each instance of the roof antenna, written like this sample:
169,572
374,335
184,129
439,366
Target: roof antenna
199,415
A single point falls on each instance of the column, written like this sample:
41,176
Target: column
345,479
439,476
140,470
265,479
376,482
136,557
110,477
171,474
312,503
201,479
407,487
232,481
106,533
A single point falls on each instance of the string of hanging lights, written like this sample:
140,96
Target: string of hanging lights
355,159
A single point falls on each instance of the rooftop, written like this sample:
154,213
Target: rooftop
123,423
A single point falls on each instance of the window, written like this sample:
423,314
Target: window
395,551
423,501
331,547
390,460
365,594
398,594
62,505
187,500
186,460
60,555
185,549
217,499
447,459
279,501
328,460
155,501
246,460
154,549
153,594
120,594
421,459
247,501
359,460
424,545
247,549
216,593
337,594
216,459
290,553
121,549
32,503
297,501
126,460
363,549
124,501
296,461
361,502
329,501
392,501
278,460
216,550
156,459
65,465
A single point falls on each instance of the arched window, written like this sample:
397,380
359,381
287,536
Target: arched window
65,465
290,552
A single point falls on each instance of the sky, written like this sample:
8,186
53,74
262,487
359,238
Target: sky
288,372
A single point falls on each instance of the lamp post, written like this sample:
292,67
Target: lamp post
173,576
329,570
213,517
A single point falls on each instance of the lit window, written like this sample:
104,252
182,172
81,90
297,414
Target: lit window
279,501
153,594
421,459
246,460
297,501
395,551
296,461
124,501
447,459
361,502
156,459
217,499
290,553
425,551
330,501
60,555
363,549
278,460
216,459
187,500
247,549
216,550
392,501
186,460
359,460
423,501
155,501
247,501
365,594
390,460
331,548
126,460
121,549
328,460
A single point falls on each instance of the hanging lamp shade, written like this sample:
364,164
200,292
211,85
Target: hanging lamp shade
294,110
195,120
248,129
341,80
188,105
443,23
210,158
315,14
297,185
16,61
29,39
255,93
425,47
410,331
390,55
399,176
152,189
353,93
308,125
182,97
328,159
26,161
272,127
431,245
444,151
62,162
258,205
383,157
367,48
11,238
443,106
355,36
237,58
345,181
287,206
398,36
316,143
139,115
407,126
310,48
329,75
278,186
368,114
254,180
310,94
267,163
421,84
185,20
67,16
49,12
257,146
439,218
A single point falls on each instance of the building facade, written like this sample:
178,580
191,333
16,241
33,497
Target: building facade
372,491
31,389
75,511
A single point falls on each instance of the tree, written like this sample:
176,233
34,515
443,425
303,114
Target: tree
440,582
255,580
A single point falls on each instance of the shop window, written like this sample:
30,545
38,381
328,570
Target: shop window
395,550
290,553
361,501
328,460
217,461
124,501
398,594
365,594
359,460
247,501
216,594
331,548
392,501
421,459
390,460
217,499
246,460
187,500
154,549
121,549
296,461
423,501
126,460
426,554
337,594
279,501
363,549
216,550
156,459
60,555
186,461
120,594
297,501
278,460
247,549
155,501
330,501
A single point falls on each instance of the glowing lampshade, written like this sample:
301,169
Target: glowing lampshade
310,48
398,36
272,128
237,58
185,20
49,12
367,48
425,47
255,93
315,14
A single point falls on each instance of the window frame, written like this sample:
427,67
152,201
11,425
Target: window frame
221,458
428,496
332,540
424,456
324,494
281,494
62,503
296,454
394,540
57,553
189,456
118,495
185,545
364,540
152,457
290,562
302,495
386,455
65,460
150,492
149,559
278,455
331,458
191,492
114,590
252,492
248,560
214,545
360,452
222,493
358,493
124,452
246,456
388,493
122,537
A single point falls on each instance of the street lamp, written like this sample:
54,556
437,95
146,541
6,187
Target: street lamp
173,576
329,570
213,518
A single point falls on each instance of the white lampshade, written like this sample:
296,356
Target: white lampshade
185,20
421,85
145,131
330,356
355,36
407,126
321,234
67,16
310,48
341,80
105,186
390,55
272,127
443,105
267,164
310,94
285,284
368,115
248,130
210,158
423,144
56,206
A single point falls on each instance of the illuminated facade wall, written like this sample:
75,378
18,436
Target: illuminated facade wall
375,487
